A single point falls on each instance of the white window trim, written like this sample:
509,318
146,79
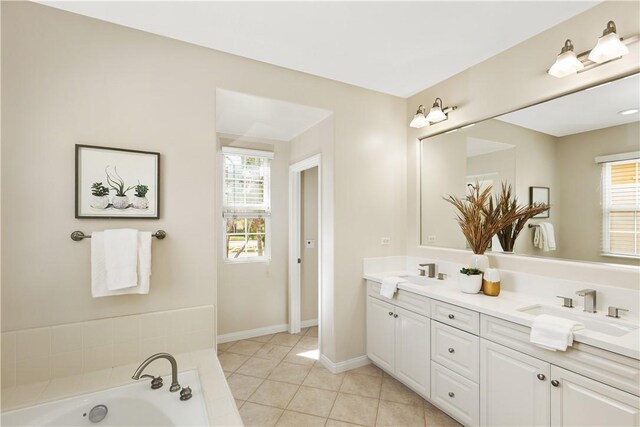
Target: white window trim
266,257
606,177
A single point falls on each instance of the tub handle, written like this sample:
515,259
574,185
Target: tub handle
156,382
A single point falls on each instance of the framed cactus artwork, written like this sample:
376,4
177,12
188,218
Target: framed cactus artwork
117,183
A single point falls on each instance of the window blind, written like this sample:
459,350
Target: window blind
246,185
621,208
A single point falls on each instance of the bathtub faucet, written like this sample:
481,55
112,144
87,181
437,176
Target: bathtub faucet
175,386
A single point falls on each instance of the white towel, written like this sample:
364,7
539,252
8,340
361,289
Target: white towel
553,333
99,271
390,286
121,258
544,237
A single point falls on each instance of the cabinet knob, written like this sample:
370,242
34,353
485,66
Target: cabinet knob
451,350
451,316
451,394
541,377
391,313
395,315
555,383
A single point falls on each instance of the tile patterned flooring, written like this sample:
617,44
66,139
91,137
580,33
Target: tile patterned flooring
277,381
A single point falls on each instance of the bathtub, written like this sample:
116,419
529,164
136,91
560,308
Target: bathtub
129,405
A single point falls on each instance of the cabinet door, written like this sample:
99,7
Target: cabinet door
514,387
412,350
580,401
380,333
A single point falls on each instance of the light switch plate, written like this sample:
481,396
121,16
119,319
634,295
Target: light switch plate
385,241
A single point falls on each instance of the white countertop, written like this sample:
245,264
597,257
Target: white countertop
506,305
221,407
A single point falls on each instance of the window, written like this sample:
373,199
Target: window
621,208
246,204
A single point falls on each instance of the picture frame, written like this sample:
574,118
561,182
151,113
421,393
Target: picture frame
116,183
540,195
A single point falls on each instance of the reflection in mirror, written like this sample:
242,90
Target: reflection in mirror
584,147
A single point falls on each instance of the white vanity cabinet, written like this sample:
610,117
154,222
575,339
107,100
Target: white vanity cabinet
519,389
398,339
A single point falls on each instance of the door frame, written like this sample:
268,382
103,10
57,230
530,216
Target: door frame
295,203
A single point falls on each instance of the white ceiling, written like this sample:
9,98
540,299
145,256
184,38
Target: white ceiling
395,47
590,109
255,117
479,146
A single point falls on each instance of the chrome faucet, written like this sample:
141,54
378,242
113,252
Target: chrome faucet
430,267
175,386
589,299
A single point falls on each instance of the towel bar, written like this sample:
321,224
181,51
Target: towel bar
534,225
79,235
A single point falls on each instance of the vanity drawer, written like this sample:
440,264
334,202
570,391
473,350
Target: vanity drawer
456,350
458,317
601,365
407,300
456,395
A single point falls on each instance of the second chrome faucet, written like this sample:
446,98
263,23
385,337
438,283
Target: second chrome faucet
589,299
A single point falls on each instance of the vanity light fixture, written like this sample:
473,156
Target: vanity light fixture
609,46
419,120
628,112
566,63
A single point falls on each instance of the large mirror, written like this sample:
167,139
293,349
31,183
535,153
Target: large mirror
580,151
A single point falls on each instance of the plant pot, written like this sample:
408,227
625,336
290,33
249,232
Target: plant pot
479,261
140,202
470,284
99,202
120,202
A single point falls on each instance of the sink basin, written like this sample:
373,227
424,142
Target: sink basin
604,325
422,280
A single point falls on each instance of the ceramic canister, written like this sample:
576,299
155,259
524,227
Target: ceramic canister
491,282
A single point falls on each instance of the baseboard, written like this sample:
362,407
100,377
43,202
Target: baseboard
346,365
251,333
309,323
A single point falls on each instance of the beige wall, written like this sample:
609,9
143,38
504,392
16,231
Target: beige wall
79,80
580,225
511,80
253,295
309,256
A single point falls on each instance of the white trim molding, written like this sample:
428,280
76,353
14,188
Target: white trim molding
308,323
247,152
252,333
346,365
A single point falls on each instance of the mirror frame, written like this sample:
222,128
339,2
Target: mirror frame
465,124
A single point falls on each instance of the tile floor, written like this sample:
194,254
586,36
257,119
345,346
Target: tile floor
277,380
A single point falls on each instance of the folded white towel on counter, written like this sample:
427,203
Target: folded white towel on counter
553,333
390,286
544,237
99,286
121,258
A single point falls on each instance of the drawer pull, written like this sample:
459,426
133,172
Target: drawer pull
395,315
451,394
541,377
391,313
555,383
451,350
451,316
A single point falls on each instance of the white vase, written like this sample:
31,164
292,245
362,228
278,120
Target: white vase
140,202
481,262
470,284
99,202
120,202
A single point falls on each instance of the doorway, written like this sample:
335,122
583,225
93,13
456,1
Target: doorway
305,245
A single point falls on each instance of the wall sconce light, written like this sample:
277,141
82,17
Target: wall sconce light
437,114
566,63
609,48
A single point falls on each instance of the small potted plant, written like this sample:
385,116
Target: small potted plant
140,197
99,196
120,199
507,204
470,280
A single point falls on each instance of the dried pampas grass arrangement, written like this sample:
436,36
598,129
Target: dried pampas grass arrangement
507,204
